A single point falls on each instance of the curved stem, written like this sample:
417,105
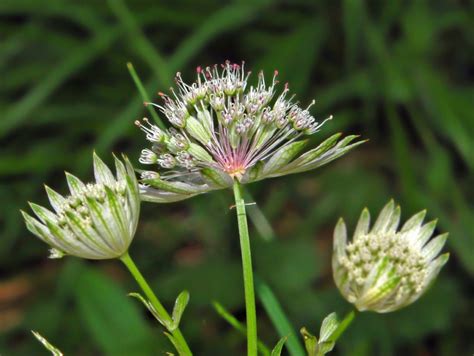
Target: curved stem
247,271
178,336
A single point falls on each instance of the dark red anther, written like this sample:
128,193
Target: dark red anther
275,72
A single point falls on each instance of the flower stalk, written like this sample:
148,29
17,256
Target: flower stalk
251,314
182,345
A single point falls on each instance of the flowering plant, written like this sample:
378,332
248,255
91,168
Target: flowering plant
225,134
222,132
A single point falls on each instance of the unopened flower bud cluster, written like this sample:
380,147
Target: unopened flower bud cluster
96,220
364,253
384,269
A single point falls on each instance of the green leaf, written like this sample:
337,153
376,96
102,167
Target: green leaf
237,325
278,317
324,347
310,342
278,347
161,318
342,326
328,327
144,95
178,310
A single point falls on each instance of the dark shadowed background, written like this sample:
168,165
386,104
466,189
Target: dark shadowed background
398,72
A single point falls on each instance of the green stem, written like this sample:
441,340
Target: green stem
247,271
178,336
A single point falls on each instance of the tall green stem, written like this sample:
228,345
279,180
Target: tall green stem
247,271
178,336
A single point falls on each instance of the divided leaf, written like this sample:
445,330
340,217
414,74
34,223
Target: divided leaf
179,307
279,346
162,319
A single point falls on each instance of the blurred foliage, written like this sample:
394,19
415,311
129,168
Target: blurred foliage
397,72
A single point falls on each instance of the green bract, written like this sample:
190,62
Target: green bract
96,221
223,131
383,269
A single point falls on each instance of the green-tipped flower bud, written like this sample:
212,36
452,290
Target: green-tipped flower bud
97,221
383,269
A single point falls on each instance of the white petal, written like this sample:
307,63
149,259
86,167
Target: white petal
75,185
384,218
57,200
117,219
43,214
424,234
103,224
384,284
414,222
120,169
434,268
68,242
37,228
102,173
340,239
432,248
394,221
363,224
89,238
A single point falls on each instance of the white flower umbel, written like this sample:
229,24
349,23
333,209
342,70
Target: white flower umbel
223,130
96,221
383,269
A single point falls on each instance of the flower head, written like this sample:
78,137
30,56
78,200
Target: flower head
223,130
97,220
383,269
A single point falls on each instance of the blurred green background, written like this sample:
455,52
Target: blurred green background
398,72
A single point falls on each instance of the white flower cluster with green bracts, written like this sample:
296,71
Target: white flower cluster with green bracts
223,131
97,220
383,269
